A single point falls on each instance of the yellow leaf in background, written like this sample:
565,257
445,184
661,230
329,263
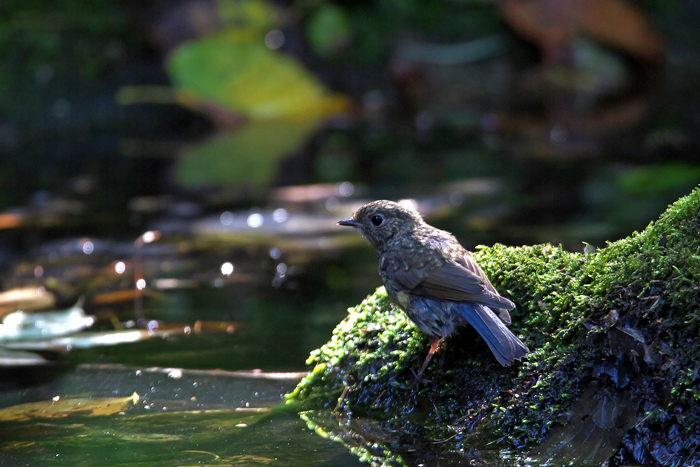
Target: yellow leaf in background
64,407
249,78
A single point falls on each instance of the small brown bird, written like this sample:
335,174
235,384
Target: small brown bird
430,276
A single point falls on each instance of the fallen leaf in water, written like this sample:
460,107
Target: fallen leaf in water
65,407
85,340
47,324
115,296
245,459
10,358
124,295
26,298
215,326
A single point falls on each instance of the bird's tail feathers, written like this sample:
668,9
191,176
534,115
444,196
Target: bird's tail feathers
506,347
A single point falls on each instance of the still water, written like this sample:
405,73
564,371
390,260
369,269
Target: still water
177,347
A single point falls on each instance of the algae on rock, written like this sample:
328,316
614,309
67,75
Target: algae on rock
614,368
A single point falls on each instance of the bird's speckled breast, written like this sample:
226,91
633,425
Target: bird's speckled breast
421,253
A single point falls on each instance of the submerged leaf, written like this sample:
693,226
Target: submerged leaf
64,407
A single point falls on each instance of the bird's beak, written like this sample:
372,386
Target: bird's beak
350,223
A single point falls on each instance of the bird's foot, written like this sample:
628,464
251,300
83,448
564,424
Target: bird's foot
418,380
435,345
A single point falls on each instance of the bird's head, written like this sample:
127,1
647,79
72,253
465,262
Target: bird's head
379,221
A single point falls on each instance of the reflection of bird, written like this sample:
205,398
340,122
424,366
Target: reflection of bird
435,280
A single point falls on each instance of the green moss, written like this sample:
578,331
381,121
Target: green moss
626,317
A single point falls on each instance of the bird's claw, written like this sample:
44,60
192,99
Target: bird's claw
416,382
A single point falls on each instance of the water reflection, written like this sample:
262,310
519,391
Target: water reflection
227,269
163,415
492,141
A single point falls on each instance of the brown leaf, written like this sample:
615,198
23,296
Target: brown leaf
27,299
64,407
552,24
619,25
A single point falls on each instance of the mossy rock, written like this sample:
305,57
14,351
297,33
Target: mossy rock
614,369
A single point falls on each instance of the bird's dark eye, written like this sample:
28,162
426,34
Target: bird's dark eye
377,220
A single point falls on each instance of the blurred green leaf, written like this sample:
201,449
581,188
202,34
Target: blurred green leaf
248,78
283,103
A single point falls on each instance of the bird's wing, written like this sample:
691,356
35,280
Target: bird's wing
461,281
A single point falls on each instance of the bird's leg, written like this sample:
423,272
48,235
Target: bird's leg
435,344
